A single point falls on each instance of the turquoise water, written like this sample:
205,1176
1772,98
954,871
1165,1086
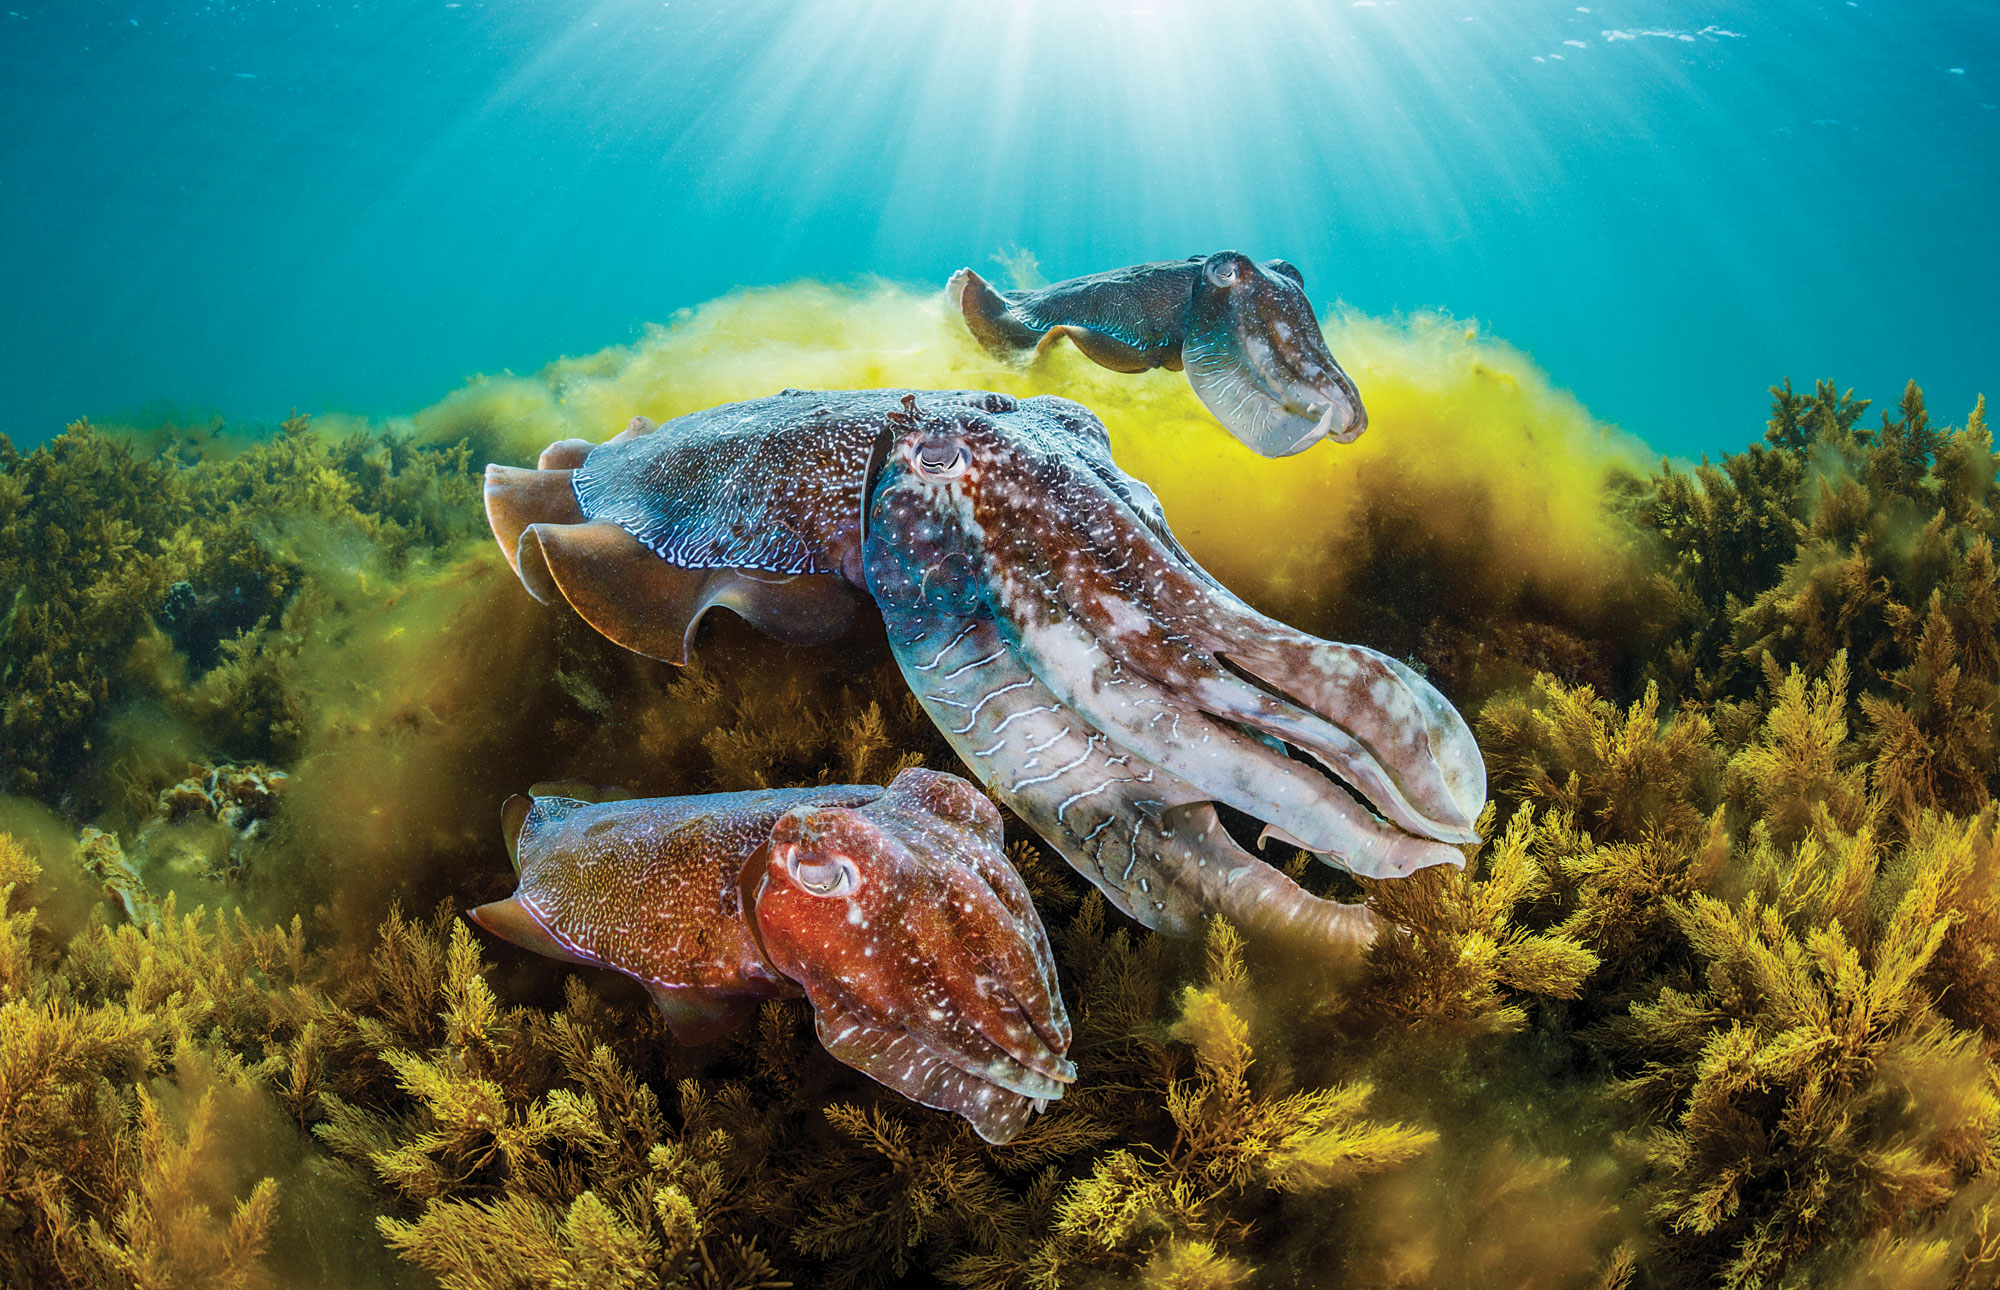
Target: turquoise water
242,208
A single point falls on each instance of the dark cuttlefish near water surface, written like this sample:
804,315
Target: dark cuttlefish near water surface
893,910
1091,675
1244,331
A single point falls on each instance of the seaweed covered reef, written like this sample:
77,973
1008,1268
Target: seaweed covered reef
1714,1005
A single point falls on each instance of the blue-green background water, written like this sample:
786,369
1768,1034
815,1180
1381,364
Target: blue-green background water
244,207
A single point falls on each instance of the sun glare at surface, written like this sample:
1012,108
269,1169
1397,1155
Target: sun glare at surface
1634,194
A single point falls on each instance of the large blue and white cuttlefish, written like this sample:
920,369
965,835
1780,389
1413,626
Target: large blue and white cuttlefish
1084,667
1244,331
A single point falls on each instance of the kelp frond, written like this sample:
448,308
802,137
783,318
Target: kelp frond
1229,1136
1234,1136
1463,962
169,1233
1621,774
1812,1092
1801,763
17,920
114,1065
1933,740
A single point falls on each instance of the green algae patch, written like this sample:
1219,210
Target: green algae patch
1713,1004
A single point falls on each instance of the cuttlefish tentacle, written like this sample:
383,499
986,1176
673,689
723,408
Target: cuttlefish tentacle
892,910
1107,688
1244,332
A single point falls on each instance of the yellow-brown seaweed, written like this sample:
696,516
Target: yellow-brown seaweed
1716,1003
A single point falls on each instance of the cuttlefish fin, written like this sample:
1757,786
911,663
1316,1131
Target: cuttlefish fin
564,454
558,800
634,428
698,1016
581,790
652,607
510,920
905,1063
1099,348
514,814
988,316
543,807
517,498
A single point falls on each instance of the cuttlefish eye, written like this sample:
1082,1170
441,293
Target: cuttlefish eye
1222,271
826,875
943,458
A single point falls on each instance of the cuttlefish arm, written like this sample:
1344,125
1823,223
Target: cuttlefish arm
893,910
1107,689
1149,840
1244,332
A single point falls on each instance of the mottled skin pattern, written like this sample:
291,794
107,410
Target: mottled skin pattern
778,484
1086,669
893,910
1244,332
754,506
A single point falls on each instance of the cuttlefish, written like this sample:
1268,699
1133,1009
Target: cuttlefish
1244,331
1087,671
893,910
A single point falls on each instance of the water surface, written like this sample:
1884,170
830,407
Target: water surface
244,207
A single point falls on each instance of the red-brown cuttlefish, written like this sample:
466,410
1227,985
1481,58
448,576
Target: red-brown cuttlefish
893,910
1092,676
1244,331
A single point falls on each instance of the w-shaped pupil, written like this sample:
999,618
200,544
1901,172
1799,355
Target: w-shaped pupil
821,876
939,456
